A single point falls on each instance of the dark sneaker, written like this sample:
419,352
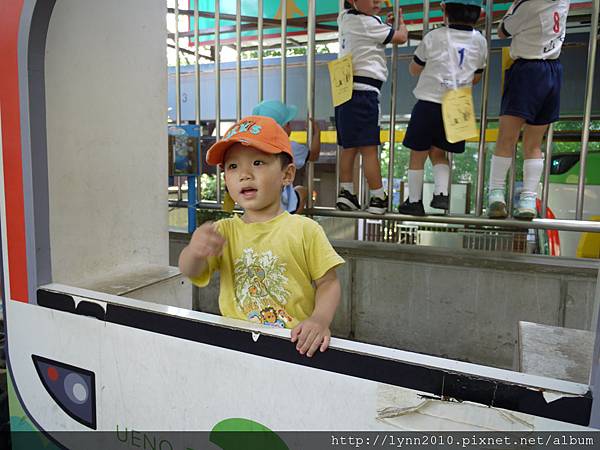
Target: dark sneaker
377,205
440,201
347,201
412,209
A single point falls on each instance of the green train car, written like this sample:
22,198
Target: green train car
564,176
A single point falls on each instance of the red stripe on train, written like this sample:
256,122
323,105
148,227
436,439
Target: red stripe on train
10,12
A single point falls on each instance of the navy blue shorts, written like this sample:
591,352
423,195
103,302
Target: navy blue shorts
532,91
426,129
357,120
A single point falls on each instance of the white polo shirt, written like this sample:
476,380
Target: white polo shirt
448,53
365,37
537,28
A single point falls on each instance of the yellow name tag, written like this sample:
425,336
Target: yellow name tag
340,74
459,115
507,62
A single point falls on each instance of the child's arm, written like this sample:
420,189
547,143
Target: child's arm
314,333
501,33
415,69
315,147
401,34
477,78
206,241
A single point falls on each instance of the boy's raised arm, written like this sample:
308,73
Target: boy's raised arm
315,148
401,34
206,241
314,332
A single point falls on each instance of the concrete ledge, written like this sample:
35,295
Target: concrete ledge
149,282
555,352
469,258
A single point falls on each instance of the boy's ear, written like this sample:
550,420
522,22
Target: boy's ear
289,173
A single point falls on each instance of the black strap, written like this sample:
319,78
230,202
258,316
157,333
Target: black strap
370,81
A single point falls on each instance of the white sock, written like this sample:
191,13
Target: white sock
348,187
415,185
532,173
441,173
377,193
498,171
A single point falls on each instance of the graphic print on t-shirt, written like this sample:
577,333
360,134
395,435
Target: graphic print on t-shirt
260,291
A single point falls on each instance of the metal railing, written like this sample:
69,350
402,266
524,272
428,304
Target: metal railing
311,24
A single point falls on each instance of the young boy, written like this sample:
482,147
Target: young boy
531,97
364,36
268,259
453,52
293,199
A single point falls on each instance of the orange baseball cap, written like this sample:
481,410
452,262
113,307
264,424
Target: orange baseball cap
259,132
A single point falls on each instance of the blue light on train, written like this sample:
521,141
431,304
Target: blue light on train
72,388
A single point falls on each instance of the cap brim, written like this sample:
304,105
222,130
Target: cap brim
292,112
216,153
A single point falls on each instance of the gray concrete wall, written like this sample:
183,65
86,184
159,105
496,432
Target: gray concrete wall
106,89
460,304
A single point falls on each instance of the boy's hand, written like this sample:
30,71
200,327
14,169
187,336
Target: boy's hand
315,125
390,18
400,17
206,241
311,334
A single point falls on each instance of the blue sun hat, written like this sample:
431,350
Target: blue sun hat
466,2
276,110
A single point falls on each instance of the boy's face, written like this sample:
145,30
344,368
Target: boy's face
372,7
255,179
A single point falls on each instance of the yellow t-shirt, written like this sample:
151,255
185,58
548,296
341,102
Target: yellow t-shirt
268,268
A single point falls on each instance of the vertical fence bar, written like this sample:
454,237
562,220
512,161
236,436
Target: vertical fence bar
310,92
261,33
238,59
218,88
589,86
547,168
284,51
512,177
337,147
425,17
483,116
177,68
177,87
392,155
193,191
450,171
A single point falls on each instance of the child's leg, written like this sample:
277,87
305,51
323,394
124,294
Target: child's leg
413,205
416,168
377,198
347,200
508,136
346,168
533,166
302,195
441,170
372,168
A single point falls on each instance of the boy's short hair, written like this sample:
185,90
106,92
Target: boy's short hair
462,14
285,159
259,132
347,5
